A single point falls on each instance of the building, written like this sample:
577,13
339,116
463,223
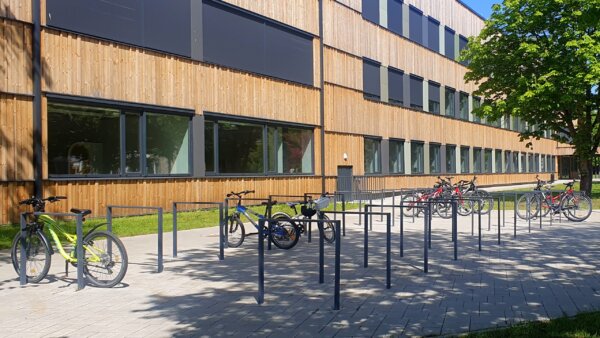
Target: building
148,101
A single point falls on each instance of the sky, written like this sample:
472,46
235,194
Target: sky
483,7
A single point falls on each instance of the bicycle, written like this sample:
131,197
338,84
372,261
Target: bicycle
469,189
105,258
307,210
576,207
284,233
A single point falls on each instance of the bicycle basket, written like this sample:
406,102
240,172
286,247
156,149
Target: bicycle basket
308,211
322,203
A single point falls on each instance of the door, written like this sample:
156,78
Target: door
344,180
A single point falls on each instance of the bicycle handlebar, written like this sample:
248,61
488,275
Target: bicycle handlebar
239,194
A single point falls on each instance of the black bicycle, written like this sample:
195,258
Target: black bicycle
308,210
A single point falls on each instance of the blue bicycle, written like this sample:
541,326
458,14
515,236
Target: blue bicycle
284,233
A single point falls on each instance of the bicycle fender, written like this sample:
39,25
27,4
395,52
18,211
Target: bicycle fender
46,241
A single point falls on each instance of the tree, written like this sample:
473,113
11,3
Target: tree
539,60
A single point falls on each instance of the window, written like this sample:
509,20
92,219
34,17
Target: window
417,157
487,161
548,163
434,97
498,161
266,149
371,82
515,162
450,98
449,43
507,122
536,160
464,106
249,42
507,162
372,156
476,105
396,86
435,158
523,163
395,16
86,140
530,161
396,157
462,45
416,25
543,163
370,10
465,160
477,160
450,159
416,92
433,34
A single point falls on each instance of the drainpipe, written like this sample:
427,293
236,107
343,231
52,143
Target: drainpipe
37,98
322,97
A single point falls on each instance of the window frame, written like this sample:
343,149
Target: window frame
378,170
422,164
367,95
438,160
403,156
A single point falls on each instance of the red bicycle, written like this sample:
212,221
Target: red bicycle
576,206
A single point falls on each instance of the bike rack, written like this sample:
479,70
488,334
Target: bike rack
334,195
337,268
226,216
78,249
222,241
109,218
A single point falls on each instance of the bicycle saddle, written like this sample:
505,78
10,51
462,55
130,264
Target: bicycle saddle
292,204
83,212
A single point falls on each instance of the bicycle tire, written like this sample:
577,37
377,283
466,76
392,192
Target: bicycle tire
112,265
464,207
443,209
522,207
328,230
284,233
484,197
35,272
577,208
410,202
235,233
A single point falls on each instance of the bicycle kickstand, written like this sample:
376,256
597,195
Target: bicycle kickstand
66,269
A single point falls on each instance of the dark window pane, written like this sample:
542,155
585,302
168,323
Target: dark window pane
236,157
83,140
450,99
167,144
417,157
416,92
395,16
476,105
498,161
487,159
371,81
450,159
289,150
416,25
507,162
372,156
434,98
435,158
132,143
477,160
464,106
167,26
396,157
449,43
465,160
462,45
209,146
288,55
433,36
370,10
396,86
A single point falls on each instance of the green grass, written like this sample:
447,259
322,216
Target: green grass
148,224
582,325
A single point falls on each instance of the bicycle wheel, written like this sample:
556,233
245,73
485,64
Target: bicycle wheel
38,256
328,230
105,259
522,210
486,202
464,207
410,202
577,208
443,209
284,234
235,232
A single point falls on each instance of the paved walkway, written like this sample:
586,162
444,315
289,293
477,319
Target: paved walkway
544,274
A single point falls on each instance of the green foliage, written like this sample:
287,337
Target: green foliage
539,60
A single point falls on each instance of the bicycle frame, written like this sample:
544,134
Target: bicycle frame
242,210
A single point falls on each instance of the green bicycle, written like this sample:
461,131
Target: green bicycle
105,258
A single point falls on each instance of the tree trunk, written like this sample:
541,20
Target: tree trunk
585,170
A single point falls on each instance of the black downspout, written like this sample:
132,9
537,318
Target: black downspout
37,99
322,96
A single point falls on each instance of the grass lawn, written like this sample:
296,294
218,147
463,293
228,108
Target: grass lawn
148,224
582,325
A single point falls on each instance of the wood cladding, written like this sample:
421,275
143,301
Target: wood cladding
452,14
339,144
16,134
10,195
349,32
16,9
15,64
83,66
302,14
354,4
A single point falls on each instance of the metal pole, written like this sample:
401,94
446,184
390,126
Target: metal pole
269,233
491,204
222,231
394,208
23,248
160,240
472,222
109,221
429,230
425,227
79,248
515,215
498,220
455,228
503,210
370,208
540,208
366,239
401,230
479,216
174,229
321,251
336,295
529,211
344,215
388,257
261,262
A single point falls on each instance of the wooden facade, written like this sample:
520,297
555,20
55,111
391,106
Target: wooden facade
80,65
